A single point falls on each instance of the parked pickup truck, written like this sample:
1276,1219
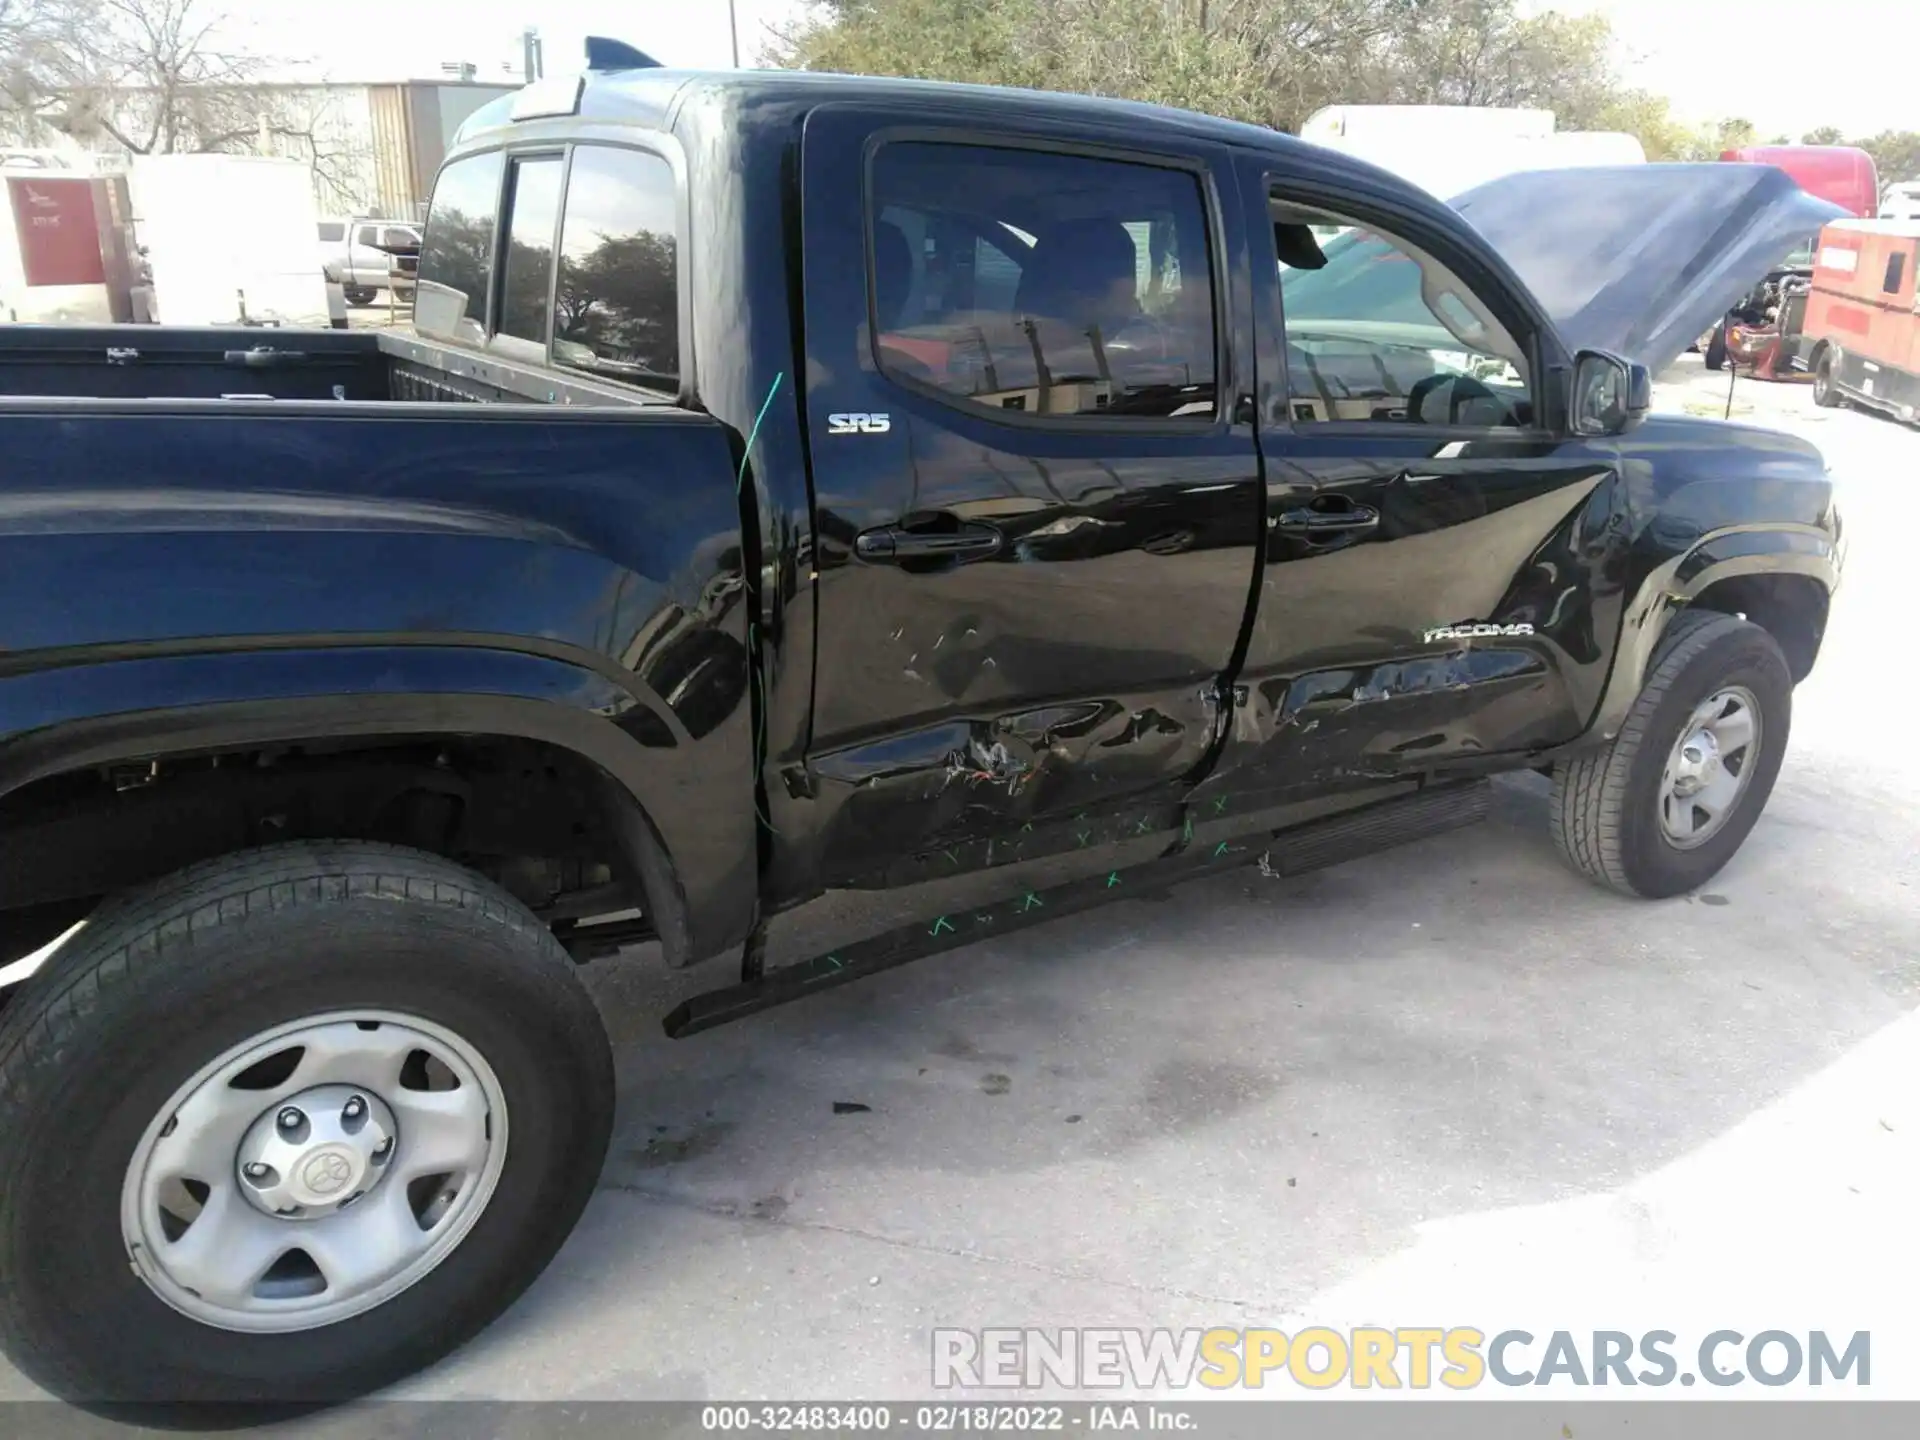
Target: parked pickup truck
797,483
365,257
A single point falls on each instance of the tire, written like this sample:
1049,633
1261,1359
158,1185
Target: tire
1607,807
361,295
95,1054
1716,352
1825,393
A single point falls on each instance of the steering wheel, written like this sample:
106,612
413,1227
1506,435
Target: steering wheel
1465,387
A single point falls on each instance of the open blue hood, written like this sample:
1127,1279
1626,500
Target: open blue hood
1642,260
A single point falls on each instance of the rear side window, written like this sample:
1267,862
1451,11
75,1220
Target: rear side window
332,233
534,213
1896,273
617,298
366,235
1045,284
457,258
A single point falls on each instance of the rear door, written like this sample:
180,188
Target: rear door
1437,584
1037,507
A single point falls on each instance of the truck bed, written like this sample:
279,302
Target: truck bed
120,362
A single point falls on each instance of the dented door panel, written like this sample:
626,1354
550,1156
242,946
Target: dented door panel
1069,664
1450,631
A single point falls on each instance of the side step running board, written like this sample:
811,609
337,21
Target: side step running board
1293,851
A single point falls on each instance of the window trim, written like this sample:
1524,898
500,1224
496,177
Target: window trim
1525,329
1212,216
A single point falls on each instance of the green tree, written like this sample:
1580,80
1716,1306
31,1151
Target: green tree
1896,154
1271,62
1825,135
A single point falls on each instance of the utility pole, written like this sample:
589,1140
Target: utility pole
733,25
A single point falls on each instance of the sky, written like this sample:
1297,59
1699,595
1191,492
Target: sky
1787,65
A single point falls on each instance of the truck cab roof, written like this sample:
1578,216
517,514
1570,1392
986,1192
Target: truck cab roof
655,98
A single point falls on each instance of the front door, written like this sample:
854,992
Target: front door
1440,580
1037,519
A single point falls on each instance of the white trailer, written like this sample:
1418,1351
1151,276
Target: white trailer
1449,149
230,239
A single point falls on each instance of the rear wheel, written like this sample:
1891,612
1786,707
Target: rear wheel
1666,805
1716,352
288,1126
361,295
1824,391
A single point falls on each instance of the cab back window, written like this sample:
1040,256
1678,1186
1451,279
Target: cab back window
456,259
616,309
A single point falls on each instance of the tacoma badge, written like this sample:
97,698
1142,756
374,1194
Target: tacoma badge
1473,632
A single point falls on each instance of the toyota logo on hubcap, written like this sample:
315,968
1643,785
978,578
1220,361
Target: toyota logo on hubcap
326,1173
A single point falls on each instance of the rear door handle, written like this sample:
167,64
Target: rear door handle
970,540
1325,524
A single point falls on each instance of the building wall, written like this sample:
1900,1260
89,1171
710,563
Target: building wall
373,149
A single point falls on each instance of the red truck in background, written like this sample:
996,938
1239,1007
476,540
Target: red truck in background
1763,333
1862,329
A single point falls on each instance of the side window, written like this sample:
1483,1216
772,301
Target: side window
332,232
457,258
365,237
533,214
617,302
1379,330
1896,272
394,239
1017,280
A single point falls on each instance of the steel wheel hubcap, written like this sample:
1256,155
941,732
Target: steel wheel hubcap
314,1172
1709,768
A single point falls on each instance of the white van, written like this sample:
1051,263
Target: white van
1901,202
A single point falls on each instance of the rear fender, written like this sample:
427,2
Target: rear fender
682,806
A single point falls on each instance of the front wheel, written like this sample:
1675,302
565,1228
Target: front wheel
288,1126
361,295
1666,805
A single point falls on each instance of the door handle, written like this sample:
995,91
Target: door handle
1325,524
968,540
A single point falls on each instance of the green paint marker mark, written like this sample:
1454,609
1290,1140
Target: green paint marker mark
951,855
1032,902
1146,824
1220,805
1186,830
1219,849
834,961
1083,836
1026,828
754,434
1113,878
941,924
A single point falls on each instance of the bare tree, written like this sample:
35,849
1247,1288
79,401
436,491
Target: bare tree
159,77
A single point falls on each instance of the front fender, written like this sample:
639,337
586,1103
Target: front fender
696,857
1813,552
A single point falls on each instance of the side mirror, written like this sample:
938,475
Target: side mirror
1609,393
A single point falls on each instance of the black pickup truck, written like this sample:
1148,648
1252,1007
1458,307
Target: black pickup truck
796,483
